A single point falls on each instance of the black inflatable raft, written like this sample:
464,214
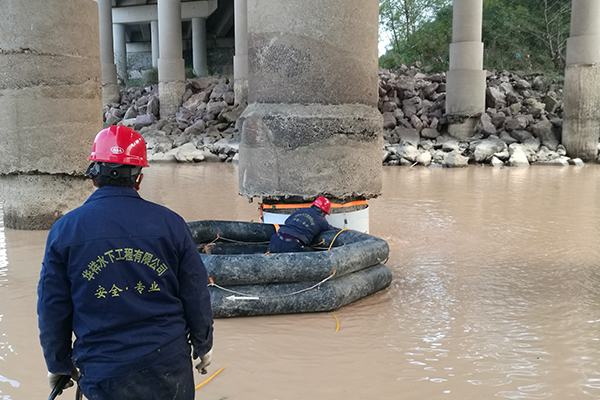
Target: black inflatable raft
246,281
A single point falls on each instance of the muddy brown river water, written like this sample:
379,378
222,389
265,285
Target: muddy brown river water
496,294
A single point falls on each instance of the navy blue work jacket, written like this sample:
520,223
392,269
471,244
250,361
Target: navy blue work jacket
124,275
305,224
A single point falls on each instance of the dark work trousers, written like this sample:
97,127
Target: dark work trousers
276,245
170,380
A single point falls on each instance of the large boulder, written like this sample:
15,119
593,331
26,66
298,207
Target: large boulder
408,152
485,125
157,142
486,149
188,153
544,131
407,136
518,158
455,160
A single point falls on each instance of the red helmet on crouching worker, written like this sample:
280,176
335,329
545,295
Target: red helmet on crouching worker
322,203
119,145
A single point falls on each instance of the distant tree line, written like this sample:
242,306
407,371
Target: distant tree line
518,35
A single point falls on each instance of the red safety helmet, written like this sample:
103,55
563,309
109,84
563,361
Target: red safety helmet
322,203
119,144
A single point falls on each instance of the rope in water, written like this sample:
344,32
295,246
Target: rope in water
254,297
212,282
237,241
219,237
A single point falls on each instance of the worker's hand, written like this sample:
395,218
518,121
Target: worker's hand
205,361
54,378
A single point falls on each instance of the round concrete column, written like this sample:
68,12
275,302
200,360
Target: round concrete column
465,82
581,102
312,126
240,60
120,47
110,87
154,39
171,68
199,46
50,107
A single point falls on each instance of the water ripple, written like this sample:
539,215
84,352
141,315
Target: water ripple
3,256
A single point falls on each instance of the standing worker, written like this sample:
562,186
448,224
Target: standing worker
124,275
301,227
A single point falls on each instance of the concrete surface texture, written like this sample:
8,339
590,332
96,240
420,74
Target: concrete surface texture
307,151
50,105
120,50
466,77
306,131
110,87
582,82
36,201
199,46
307,52
171,71
581,109
240,60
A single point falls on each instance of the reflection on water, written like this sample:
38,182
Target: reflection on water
3,259
511,262
5,347
496,294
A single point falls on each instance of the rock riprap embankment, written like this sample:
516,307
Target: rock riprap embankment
204,128
522,123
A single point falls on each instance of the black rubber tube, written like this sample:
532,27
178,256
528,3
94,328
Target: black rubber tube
351,252
207,230
328,296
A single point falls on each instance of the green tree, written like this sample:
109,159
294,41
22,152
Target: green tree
400,19
527,35
549,26
502,35
430,44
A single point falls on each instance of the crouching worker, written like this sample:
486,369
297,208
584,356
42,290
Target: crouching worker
301,227
123,274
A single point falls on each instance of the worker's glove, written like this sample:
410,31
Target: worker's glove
53,379
205,361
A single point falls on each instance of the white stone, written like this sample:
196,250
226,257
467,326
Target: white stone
496,162
189,153
578,162
424,158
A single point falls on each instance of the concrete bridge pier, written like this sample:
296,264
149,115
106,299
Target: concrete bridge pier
200,62
154,42
120,50
312,126
465,82
581,125
171,68
50,107
110,86
240,60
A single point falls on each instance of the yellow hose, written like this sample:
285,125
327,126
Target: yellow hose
335,237
338,322
213,375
